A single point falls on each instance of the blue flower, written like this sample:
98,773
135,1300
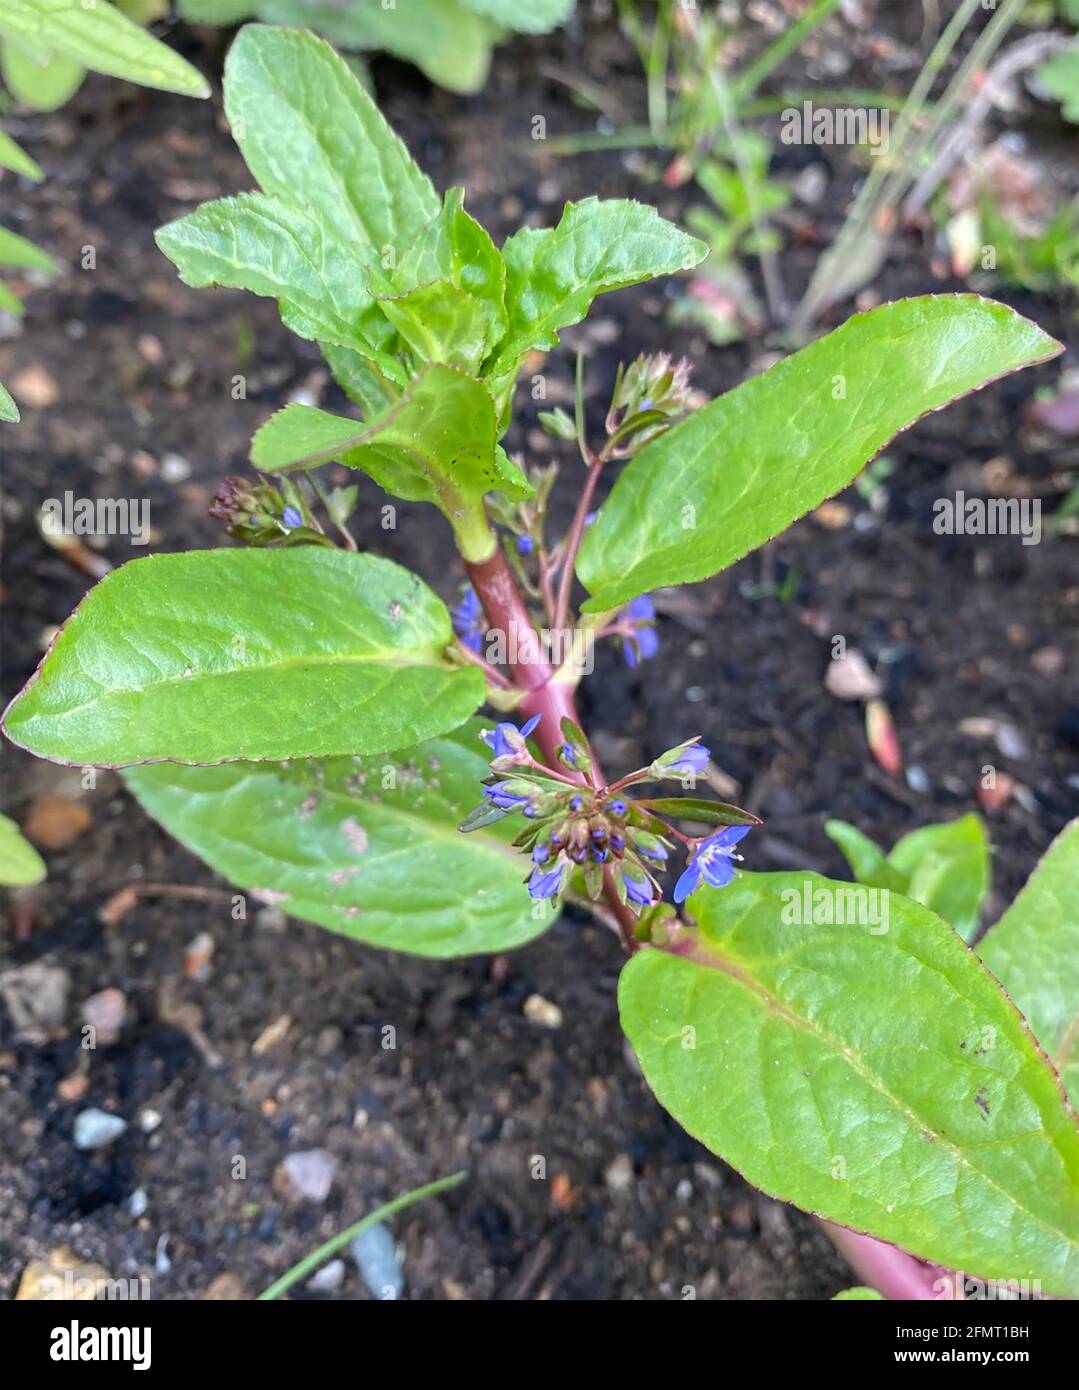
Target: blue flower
469,622
525,545
291,517
710,861
617,808
638,890
693,760
505,799
546,883
541,853
639,614
506,740
567,754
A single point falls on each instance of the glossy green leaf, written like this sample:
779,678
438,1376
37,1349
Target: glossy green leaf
42,84
225,654
15,158
947,868
1034,952
17,251
858,1294
554,273
98,36
944,867
447,297
437,444
700,811
314,139
20,864
868,862
366,846
256,243
743,468
448,42
533,17
880,1078
9,411
360,382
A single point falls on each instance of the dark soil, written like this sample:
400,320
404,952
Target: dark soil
145,371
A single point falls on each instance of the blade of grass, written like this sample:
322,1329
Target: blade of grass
317,1257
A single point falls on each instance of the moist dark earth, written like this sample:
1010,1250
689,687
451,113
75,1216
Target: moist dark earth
962,629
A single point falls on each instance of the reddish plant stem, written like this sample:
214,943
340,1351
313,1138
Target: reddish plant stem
497,591
886,1268
573,542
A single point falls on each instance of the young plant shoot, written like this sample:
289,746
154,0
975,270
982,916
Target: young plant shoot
302,714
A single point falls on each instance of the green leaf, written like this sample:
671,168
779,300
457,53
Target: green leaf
256,243
314,139
16,250
536,17
447,298
13,157
944,867
9,411
43,84
359,381
1034,952
700,811
436,444
225,654
10,302
20,864
553,274
867,860
881,1079
446,41
858,1294
366,846
216,11
743,468
1060,76
98,36
947,869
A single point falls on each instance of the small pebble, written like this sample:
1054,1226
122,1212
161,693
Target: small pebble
329,1278
149,1120
138,1202
96,1129
104,1012
542,1011
917,779
376,1258
175,468
619,1173
307,1175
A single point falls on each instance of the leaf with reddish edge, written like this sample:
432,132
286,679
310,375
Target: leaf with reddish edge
845,1069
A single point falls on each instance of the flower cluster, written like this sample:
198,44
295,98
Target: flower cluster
256,513
648,398
594,838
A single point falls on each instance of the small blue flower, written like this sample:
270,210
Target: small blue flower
541,853
693,761
291,517
567,754
576,803
710,861
504,799
617,844
656,852
506,740
640,614
638,890
525,545
617,808
469,622
546,883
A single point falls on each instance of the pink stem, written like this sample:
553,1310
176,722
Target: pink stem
886,1268
497,591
